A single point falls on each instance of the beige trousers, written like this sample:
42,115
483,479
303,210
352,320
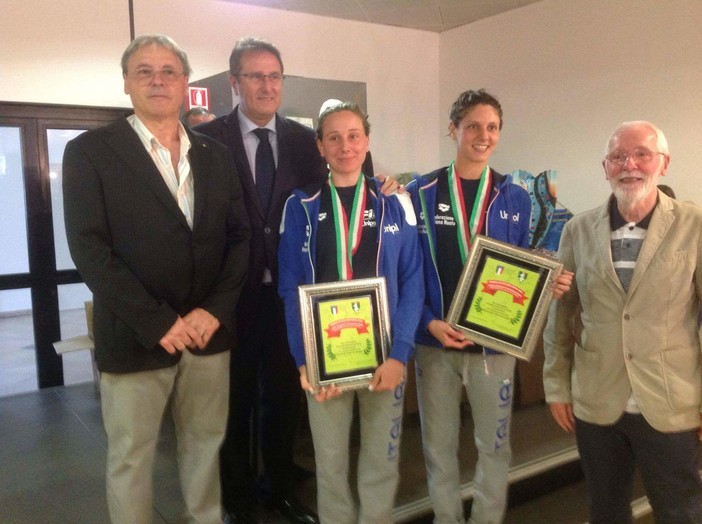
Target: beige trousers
133,405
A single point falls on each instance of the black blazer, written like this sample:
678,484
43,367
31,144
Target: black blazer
135,251
299,163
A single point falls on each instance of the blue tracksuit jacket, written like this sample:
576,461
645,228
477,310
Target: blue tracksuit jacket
399,261
507,220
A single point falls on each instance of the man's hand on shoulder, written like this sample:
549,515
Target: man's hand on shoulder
389,184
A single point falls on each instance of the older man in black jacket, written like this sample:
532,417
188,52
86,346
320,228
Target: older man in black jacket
157,228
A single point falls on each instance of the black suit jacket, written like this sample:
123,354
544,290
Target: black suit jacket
134,249
299,163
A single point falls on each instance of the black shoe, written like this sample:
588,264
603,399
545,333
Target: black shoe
293,510
240,517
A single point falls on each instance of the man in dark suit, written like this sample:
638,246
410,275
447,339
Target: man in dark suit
263,359
157,228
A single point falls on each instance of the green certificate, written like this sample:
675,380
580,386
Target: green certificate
503,297
346,331
347,334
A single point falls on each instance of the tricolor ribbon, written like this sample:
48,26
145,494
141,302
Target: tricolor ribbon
348,233
467,229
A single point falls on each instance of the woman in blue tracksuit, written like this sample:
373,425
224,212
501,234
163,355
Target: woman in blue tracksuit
454,204
379,238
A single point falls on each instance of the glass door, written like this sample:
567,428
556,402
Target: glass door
41,293
18,371
77,365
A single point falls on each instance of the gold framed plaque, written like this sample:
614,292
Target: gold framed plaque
503,296
346,331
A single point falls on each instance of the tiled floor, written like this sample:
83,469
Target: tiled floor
52,460
52,451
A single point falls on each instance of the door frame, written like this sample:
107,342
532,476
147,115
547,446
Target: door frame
43,278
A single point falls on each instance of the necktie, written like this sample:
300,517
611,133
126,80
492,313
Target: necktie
265,167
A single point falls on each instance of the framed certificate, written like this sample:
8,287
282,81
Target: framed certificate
503,295
346,330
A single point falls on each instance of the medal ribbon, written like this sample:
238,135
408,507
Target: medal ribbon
465,229
348,234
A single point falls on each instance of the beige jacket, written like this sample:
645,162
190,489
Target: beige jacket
601,343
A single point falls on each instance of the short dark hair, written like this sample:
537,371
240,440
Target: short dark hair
250,44
468,100
155,39
196,111
344,106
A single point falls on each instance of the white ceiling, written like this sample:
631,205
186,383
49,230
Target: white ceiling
427,15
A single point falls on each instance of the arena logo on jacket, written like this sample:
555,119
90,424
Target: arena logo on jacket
444,215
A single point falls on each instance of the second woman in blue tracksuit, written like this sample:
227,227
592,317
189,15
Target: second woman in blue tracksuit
454,204
383,243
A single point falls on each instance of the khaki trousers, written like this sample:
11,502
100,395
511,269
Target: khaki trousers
133,405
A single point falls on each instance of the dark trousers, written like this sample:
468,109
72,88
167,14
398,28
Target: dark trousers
265,394
669,465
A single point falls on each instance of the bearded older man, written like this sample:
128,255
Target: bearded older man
622,346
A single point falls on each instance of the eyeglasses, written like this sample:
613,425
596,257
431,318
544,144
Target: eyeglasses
260,78
145,75
640,156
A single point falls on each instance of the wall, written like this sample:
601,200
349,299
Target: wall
568,72
75,48
63,52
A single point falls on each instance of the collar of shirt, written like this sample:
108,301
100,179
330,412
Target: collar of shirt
180,183
149,140
247,127
616,220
